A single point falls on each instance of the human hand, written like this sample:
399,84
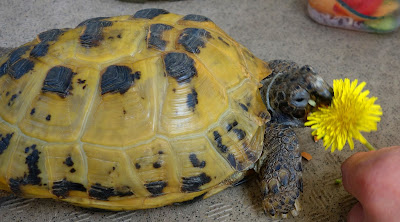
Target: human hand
374,179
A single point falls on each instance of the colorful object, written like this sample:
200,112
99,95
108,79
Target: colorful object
363,15
350,113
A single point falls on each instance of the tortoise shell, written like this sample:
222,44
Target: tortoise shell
129,112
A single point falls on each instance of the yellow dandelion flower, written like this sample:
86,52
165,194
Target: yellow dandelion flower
350,112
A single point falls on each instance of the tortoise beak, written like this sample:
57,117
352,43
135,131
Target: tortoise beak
322,98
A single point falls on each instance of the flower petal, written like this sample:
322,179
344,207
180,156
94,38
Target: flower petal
350,113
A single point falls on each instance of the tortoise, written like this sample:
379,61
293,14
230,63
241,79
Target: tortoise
151,109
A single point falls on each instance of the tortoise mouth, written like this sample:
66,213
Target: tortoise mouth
316,102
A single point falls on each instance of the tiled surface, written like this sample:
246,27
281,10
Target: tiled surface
271,30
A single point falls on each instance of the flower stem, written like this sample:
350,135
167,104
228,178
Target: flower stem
369,146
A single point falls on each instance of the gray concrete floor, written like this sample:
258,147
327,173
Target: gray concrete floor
271,30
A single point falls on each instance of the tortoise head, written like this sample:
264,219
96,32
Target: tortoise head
290,92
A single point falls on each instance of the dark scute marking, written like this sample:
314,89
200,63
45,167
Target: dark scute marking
240,133
45,37
93,34
156,165
48,117
100,192
137,75
3,69
92,20
20,68
26,150
160,152
156,33
14,64
196,18
149,13
32,162
222,40
39,50
72,170
218,139
15,185
50,35
5,142
137,165
33,171
196,162
68,161
117,79
16,54
80,81
192,184
230,126
11,101
180,66
156,188
192,100
61,188
193,38
244,107
232,160
58,80
190,201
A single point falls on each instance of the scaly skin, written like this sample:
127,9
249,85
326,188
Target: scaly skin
286,93
281,172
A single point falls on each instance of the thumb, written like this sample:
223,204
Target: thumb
356,214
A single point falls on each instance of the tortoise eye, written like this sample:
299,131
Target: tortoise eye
300,98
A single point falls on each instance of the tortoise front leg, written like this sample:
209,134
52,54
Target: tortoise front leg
280,171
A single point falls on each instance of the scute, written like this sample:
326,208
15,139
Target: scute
108,168
129,112
179,117
26,172
195,178
155,163
67,170
16,94
8,141
57,118
131,117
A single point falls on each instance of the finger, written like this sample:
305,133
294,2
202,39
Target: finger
357,168
356,213
351,172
